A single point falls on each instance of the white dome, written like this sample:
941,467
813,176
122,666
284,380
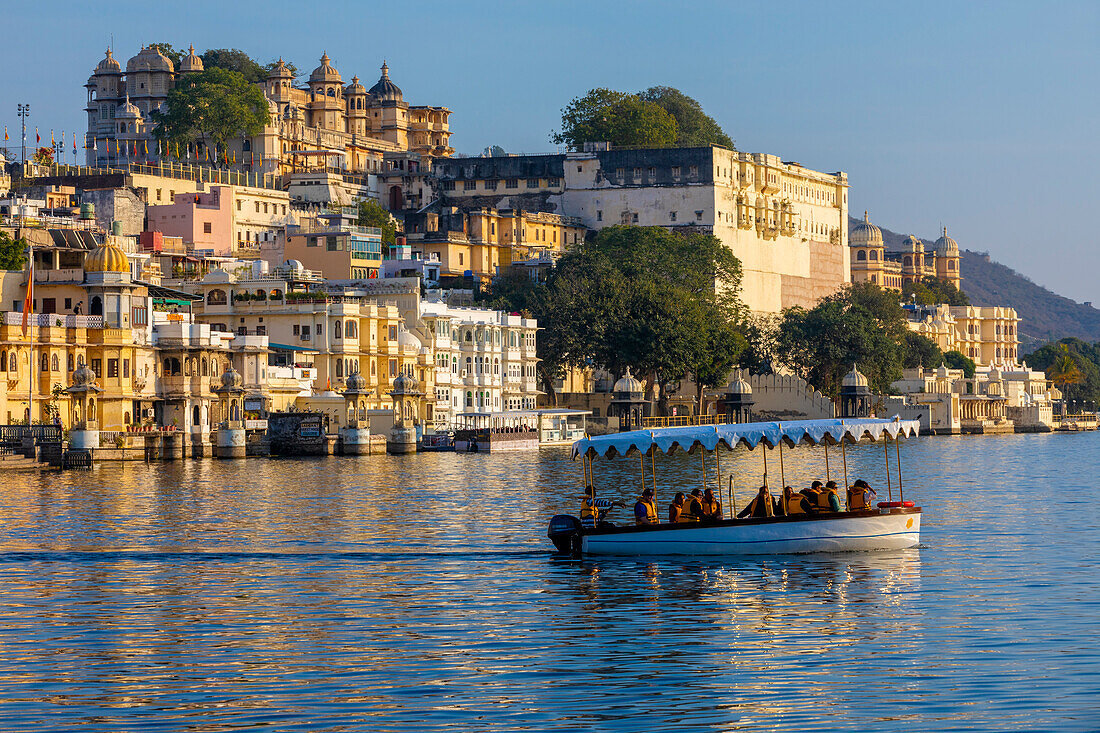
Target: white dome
738,385
945,245
407,340
865,234
855,378
628,384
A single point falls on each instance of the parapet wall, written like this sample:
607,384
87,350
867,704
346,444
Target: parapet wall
787,397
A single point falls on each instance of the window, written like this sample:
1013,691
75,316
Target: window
257,206
330,243
469,185
460,258
599,215
126,368
305,333
553,182
206,227
861,256
511,183
448,185
112,368
675,171
532,183
238,204
69,363
672,216
693,170
490,185
296,329
393,367
620,173
393,333
634,218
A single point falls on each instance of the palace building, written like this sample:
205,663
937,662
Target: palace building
324,124
892,268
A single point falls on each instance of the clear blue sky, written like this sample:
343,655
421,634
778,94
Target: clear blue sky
984,117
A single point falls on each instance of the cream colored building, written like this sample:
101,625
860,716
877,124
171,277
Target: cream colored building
326,124
986,334
787,224
908,263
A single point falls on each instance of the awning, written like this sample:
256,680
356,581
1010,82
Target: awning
288,347
751,434
171,294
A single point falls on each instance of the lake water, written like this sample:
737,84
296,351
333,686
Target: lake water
419,593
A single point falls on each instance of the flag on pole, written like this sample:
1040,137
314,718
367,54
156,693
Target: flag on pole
5,133
28,302
74,142
146,143
53,140
37,137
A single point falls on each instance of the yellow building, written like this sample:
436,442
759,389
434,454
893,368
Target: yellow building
988,335
891,268
326,124
335,246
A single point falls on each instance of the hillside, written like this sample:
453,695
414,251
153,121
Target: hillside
1044,315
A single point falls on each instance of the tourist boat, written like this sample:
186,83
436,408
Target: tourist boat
893,525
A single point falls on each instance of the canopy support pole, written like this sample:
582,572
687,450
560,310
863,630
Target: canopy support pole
653,470
718,463
827,476
641,467
844,458
886,447
765,452
703,462
782,470
733,499
897,447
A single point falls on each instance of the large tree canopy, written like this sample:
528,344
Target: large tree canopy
371,214
213,106
862,325
233,59
604,115
657,117
933,291
13,252
642,298
694,127
1073,365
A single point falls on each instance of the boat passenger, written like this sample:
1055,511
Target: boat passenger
795,503
860,496
645,509
676,508
712,508
828,499
812,492
761,505
693,507
593,509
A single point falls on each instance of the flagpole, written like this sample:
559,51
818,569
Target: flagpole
29,305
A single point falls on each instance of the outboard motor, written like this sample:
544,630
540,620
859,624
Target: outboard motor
563,528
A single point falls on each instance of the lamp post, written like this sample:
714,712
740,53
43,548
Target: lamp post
24,112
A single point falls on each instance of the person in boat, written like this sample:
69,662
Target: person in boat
828,499
793,503
676,508
693,507
712,508
811,493
860,496
762,505
593,509
645,509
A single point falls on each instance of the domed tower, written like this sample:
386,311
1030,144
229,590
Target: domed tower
278,84
912,259
149,76
130,131
387,100
326,95
947,260
628,402
191,64
738,401
109,284
105,94
865,240
855,394
356,97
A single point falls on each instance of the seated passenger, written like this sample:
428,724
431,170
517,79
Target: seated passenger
761,505
812,492
593,510
829,497
645,509
676,508
795,503
712,508
860,496
693,507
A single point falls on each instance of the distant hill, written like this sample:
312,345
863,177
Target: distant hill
1044,315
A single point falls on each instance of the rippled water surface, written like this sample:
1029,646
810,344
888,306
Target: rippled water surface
418,593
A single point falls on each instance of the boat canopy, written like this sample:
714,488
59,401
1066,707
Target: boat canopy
750,434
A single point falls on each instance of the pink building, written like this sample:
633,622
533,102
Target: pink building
204,220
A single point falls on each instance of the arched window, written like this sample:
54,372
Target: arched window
339,367
246,146
331,92
11,363
55,363
469,399
196,415
3,361
45,363
951,264
126,417
373,369
874,255
874,278
337,331
350,329
167,366
469,338
861,256
97,306
216,297
214,367
187,367
204,366
908,261
69,363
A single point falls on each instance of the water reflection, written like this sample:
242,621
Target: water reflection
399,594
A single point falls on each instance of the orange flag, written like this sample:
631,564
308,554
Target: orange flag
28,302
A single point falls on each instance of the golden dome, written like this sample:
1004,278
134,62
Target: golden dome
106,258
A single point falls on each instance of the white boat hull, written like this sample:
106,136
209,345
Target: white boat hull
854,533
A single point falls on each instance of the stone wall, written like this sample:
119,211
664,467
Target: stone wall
787,397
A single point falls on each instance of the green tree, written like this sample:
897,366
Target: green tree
1072,365
371,214
13,252
233,59
861,324
933,291
920,351
694,127
604,115
212,106
958,360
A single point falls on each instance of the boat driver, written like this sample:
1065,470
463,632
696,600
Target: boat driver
645,509
593,509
